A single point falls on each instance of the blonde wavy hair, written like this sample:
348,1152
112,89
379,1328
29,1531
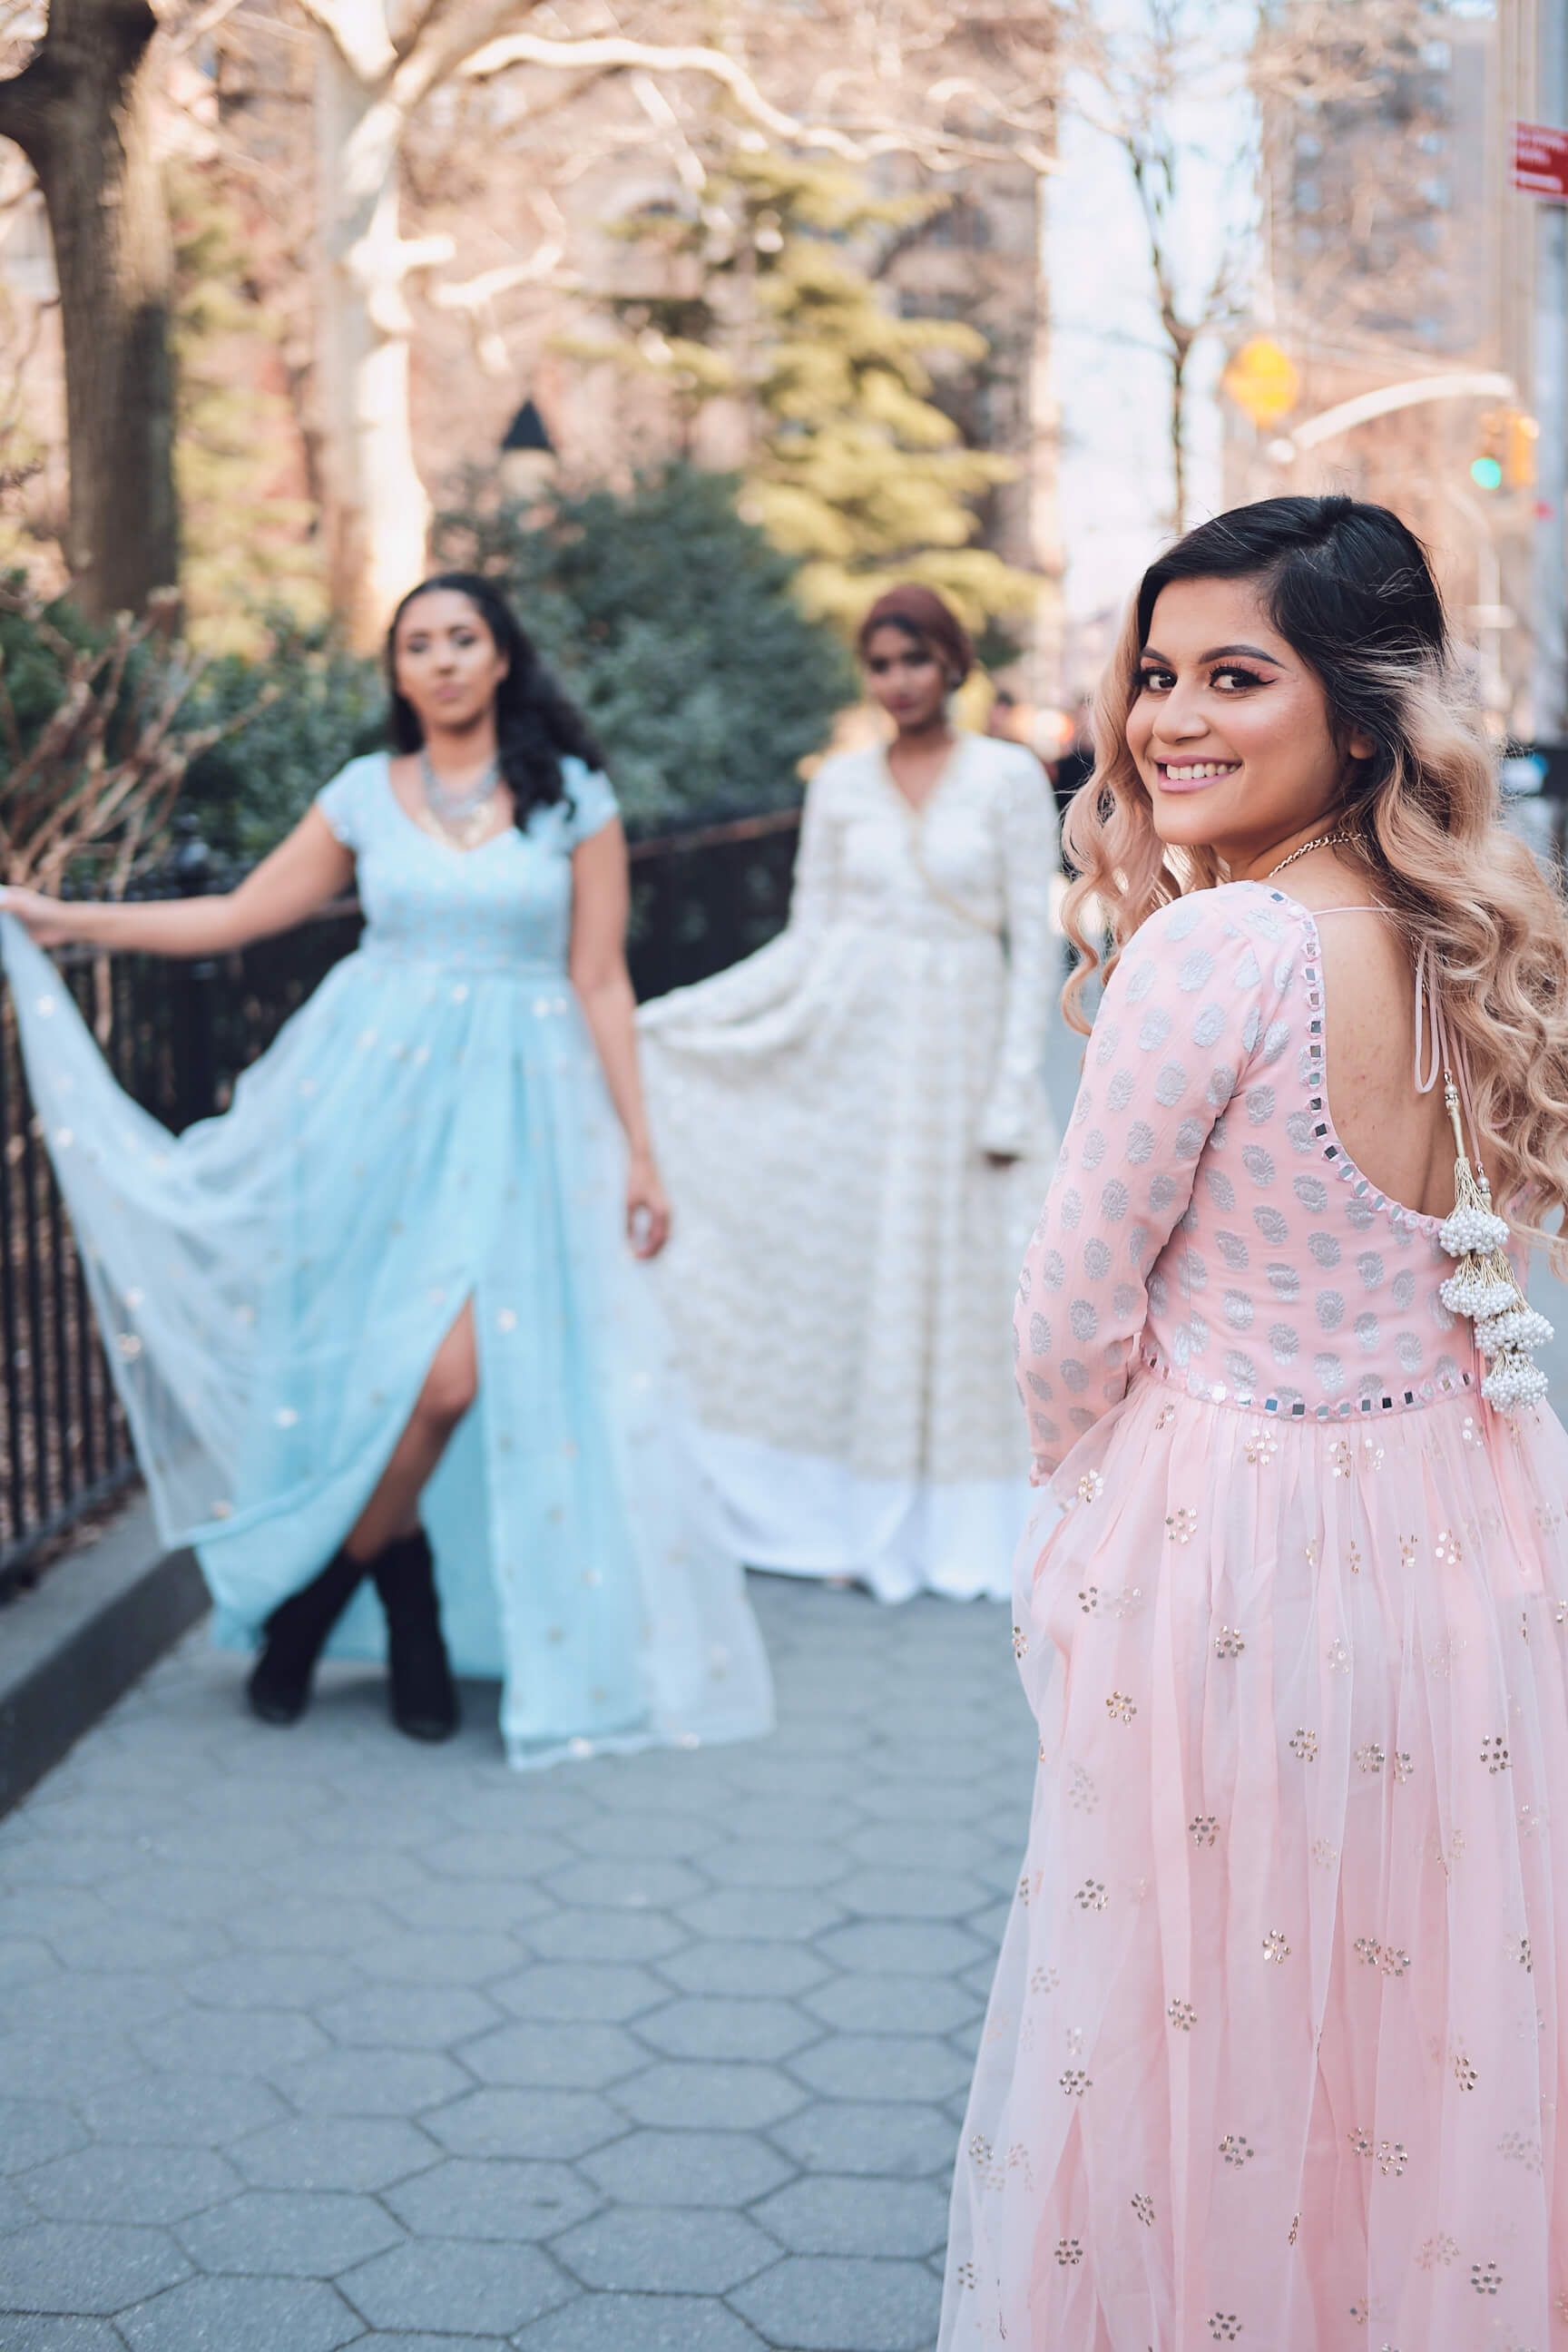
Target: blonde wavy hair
1350,589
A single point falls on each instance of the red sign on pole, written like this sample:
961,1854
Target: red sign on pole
1541,161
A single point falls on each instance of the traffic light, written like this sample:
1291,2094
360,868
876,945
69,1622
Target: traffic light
1505,457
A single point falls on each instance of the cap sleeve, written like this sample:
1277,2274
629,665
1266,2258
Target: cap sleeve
591,802
342,801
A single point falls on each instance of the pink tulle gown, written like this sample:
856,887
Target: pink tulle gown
1275,2055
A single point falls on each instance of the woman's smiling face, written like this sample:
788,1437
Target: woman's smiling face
1230,728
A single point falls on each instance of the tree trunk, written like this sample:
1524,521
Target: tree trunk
377,514
1178,365
80,111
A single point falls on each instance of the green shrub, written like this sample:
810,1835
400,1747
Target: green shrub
243,794
672,625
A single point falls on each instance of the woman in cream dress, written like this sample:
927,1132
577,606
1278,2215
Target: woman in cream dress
854,1126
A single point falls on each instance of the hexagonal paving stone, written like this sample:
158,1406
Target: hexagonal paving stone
181,2110
562,2123
22,1958
90,2004
914,1947
665,2250
407,1956
883,2066
459,2286
717,2028
399,2342
913,1893
59,1859
32,2131
626,2323
768,1914
297,1923
893,2004
823,2302
128,1941
55,2335
900,2143
231,2041
51,1912
17,2212
480,1906
270,1981
407,2017
748,1970
65,2065
509,1855
626,1883
709,2096
88,2267
334,2152
776,1862
565,1992
373,2082
686,2168
131,2184
242,2315
579,1934
586,2059
673,1837
493,2197
825,2215
172,1891
294,2233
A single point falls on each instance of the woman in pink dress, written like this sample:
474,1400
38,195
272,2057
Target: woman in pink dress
1276,2053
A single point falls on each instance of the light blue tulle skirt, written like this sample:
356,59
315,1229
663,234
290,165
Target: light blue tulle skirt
273,1285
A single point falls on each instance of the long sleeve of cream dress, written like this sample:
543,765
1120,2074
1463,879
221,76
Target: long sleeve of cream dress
845,1245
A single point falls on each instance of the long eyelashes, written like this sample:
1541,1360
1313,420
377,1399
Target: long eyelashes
1161,681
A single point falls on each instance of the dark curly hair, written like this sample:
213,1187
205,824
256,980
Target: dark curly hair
536,725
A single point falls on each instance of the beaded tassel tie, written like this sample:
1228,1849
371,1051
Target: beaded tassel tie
1484,1285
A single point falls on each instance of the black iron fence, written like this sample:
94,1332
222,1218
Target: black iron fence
177,1036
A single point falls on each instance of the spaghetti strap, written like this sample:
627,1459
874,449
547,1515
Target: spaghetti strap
1443,1062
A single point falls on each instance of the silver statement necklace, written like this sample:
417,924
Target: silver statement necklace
1324,841
460,817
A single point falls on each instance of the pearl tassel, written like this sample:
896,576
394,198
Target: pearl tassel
1484,1285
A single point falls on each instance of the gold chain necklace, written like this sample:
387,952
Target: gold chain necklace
1324,841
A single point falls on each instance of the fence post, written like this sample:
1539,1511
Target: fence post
194,1071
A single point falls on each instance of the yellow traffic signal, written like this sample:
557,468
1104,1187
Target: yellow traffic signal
1505,453
1518,455
1262,380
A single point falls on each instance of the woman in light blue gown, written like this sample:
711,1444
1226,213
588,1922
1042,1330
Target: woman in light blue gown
382,1323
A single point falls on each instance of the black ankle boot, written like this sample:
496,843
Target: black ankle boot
424,1698
279,1685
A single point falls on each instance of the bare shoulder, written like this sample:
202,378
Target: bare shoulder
1365,962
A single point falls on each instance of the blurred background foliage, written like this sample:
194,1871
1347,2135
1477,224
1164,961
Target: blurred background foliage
855,469
668,619
673,623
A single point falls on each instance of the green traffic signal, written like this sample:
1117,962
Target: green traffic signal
1486,473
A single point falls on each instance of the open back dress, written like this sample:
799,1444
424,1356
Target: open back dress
431,1128
1275,2055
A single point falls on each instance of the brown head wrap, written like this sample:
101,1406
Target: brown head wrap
922,613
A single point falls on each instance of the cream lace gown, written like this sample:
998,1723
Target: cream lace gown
1275,2055
843,1257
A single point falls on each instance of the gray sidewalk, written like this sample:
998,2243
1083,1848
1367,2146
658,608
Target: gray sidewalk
316,2038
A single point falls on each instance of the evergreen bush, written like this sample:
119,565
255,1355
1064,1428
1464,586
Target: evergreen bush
673,623
327,705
